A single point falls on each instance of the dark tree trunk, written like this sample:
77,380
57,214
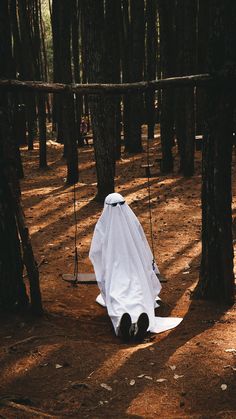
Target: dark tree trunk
125,64
57,99
42,131
76,66
16,38
41,98
12,289
216,275
166,13
28,67
134,140
101,107
179,98
190,68
151,63
112,68
202,42
84,64
64,16
185,64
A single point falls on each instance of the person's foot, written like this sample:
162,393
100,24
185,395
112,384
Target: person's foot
125,327
141,327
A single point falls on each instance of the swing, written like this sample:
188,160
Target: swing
90,278
78,278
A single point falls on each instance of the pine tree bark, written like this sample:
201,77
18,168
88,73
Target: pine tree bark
28,67
216,280
151,63
136,103
185,64
112,67
13,293
167,98
101,107
190,68
12,289
202,43
64,16
76,67
126,68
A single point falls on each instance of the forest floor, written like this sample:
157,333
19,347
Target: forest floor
69,363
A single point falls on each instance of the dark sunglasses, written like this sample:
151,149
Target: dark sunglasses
117,203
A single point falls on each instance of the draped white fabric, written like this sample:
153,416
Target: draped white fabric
122,261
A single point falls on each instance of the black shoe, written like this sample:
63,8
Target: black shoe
141,327
124,327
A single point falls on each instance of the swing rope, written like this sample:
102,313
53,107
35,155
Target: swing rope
149,204
161,279
76,261
74,281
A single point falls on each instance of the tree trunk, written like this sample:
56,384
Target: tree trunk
202,42
216,275
42,131
65,73
57,99
12,288
101,107
167,97
112,68
125,64
28,67
190,68
134,140
186,64
76,67
151,63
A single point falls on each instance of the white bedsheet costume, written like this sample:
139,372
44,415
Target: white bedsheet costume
122,261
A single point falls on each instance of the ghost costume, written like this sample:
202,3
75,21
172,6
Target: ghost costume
123,265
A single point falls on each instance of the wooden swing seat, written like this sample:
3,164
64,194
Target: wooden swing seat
82,278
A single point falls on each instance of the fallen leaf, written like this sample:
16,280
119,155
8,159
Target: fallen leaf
231,350
58,366
223,387
172,367
103,385
161,380
141,375
132,382
148,377
176,376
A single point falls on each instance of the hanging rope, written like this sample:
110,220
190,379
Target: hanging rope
149,204
160,277
76,261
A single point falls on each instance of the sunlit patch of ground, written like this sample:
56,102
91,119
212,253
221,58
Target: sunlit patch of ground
73,365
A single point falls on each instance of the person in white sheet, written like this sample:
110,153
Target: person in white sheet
125,272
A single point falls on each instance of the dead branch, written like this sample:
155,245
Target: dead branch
32,338
38,265
31,411
121,88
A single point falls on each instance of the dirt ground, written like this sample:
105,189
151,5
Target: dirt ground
69,363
